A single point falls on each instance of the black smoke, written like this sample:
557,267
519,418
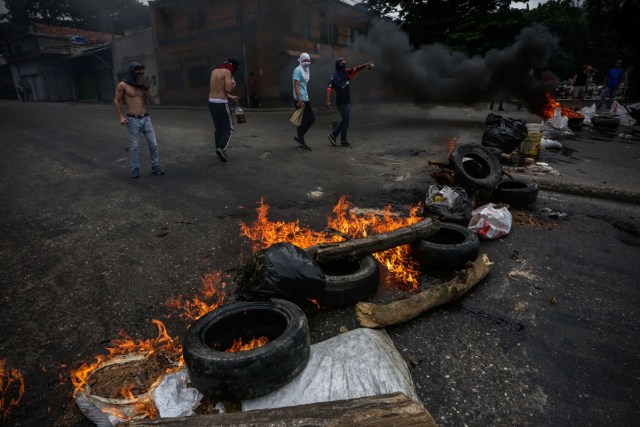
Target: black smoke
435,74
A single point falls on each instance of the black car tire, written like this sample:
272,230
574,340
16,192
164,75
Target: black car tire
451,247
252,373
515,192
349,281
475,166
605,122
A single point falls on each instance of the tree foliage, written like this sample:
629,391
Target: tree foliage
110,16
590,31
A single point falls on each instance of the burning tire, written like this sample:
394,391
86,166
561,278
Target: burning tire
251,373
475,166
450,247
349,281
515,192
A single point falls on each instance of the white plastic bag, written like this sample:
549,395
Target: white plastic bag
625,117
589,112
550,144
490,222
296,117
558,120
359,363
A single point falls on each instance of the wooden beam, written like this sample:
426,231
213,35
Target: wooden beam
394,409
371,315
358,247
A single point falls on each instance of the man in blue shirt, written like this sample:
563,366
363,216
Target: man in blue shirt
301,75
612,81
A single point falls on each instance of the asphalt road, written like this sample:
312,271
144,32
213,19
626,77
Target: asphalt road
550,337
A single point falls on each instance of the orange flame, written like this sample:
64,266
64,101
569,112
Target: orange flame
550,107
143,405
452,146
212,287
238,345
163,342
11,388
403,268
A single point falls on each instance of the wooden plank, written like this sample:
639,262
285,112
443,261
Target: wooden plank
371,315
394,409
367,245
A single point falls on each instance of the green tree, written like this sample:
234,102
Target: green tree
431,21
113,16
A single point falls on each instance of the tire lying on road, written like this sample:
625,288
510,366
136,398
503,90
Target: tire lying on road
515,192
251,373
475,166
449,248
349,281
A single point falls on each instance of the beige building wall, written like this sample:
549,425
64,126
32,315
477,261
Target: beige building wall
192,37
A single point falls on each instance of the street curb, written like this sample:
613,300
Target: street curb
584,190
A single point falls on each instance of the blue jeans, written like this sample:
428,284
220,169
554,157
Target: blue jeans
341,129
136,127
608,94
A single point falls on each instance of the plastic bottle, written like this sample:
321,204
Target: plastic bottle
240,117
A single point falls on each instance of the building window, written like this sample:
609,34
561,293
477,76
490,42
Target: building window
352,38
173,79
196,20
165,17
336,35
305,21
198,76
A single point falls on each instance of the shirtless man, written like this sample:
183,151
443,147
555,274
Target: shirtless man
133,90
220,86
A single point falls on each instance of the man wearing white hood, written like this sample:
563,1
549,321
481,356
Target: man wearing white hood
301,76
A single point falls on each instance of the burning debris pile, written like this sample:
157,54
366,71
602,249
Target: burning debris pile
121,385
404,271
11,388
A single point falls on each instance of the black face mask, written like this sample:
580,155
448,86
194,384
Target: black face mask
135,79
142,81
341,68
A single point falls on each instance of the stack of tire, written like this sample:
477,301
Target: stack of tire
478,168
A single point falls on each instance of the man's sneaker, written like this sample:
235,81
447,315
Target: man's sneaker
332,140
135,173
157,170
345,144
221,154
301,144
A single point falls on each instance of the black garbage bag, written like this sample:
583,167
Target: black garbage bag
504,133
448,204
283,271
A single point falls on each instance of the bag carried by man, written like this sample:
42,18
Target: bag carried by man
296,117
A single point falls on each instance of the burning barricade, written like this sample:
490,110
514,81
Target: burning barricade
11,388
246,349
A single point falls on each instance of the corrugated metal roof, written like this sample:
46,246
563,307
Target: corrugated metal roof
90,36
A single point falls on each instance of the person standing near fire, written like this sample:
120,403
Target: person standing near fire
221,84
340,83
580,80
301,76
133,90
612,81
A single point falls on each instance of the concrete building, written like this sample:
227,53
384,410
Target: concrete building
192,37
51,63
